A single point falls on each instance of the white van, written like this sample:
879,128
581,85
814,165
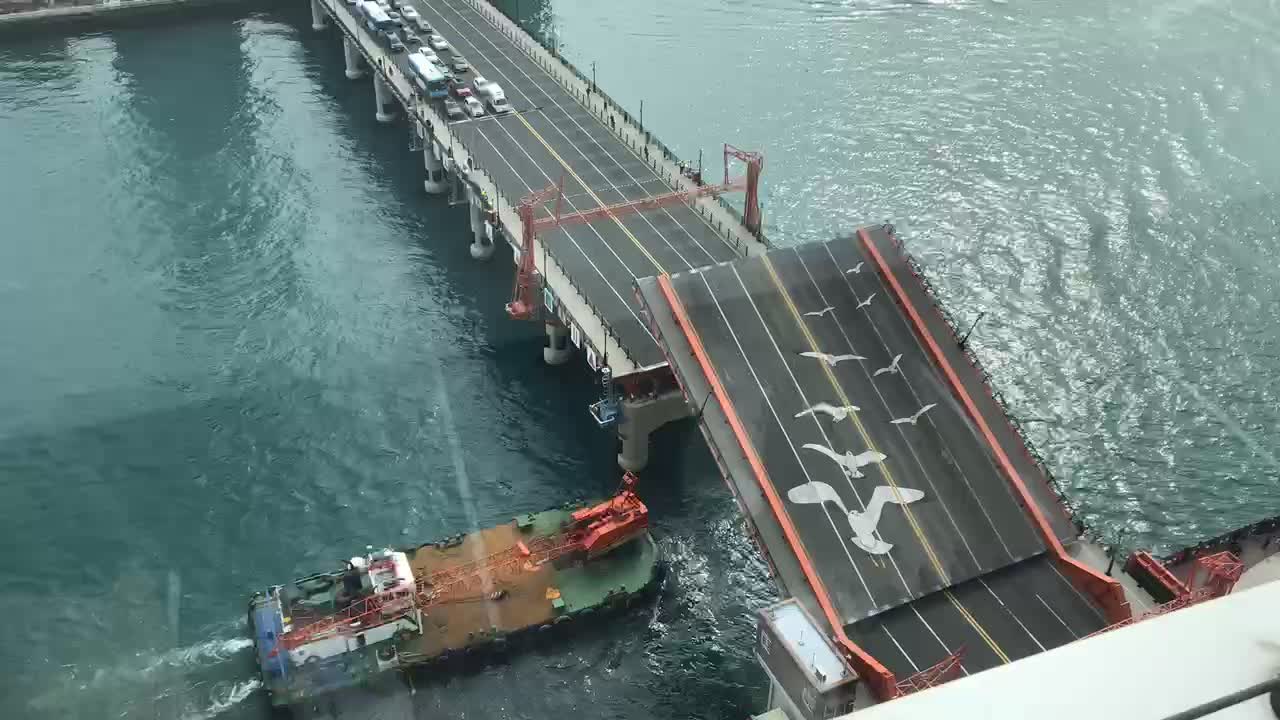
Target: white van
497,100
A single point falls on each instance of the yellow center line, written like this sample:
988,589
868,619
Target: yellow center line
866,437
977,626
884,468
590,192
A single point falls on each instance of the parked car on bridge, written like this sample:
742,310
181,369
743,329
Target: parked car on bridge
438,43
474,108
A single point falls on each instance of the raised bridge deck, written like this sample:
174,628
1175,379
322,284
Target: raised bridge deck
562,130
930,545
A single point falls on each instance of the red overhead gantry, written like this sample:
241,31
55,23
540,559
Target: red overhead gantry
524,301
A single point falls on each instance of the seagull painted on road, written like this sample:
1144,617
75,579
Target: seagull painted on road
912,419
829,359
837,412
855,269
892,367
849,462
863,523
867,302
820,313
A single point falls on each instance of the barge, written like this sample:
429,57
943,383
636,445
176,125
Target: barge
450,600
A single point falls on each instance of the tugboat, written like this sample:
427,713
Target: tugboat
398,608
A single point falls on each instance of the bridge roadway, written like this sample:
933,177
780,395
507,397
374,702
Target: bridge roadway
919,549
549,137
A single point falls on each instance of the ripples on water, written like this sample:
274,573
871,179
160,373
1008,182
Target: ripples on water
226,300
1097,177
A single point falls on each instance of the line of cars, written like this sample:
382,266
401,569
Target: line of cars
473,99
395,21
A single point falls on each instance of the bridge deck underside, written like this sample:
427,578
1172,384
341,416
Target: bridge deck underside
996,618
873,542
551,136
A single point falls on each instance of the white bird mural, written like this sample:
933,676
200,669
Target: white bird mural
891,368
867,302
851,464
829,359
855,269
864,523
837,412
913,418
820,313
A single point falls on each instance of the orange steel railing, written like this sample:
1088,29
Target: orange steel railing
1106,591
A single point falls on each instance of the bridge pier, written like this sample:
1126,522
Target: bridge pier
557,350
319,20
352,57
435,183
481,245
382,96
640,417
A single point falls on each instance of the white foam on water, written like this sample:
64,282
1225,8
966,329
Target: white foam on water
223,701
207,652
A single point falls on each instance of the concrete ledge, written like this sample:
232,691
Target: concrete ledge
106,14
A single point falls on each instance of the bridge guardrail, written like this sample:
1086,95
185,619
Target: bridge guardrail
429,119
717,212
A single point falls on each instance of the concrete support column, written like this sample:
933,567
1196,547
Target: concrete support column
640,417
353,59
481,245
382,96
319,20
435,183
557,350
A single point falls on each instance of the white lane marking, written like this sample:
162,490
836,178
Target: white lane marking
1087,602
568,198
884,402
1074,634
996,472
572,239
782,358
934,633
560,130
778,419
594,140
898,645
911,388
1012,614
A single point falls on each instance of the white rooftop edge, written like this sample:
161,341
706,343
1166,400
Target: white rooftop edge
1147,671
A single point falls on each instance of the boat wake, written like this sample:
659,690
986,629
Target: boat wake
205,653
221,702
196,682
